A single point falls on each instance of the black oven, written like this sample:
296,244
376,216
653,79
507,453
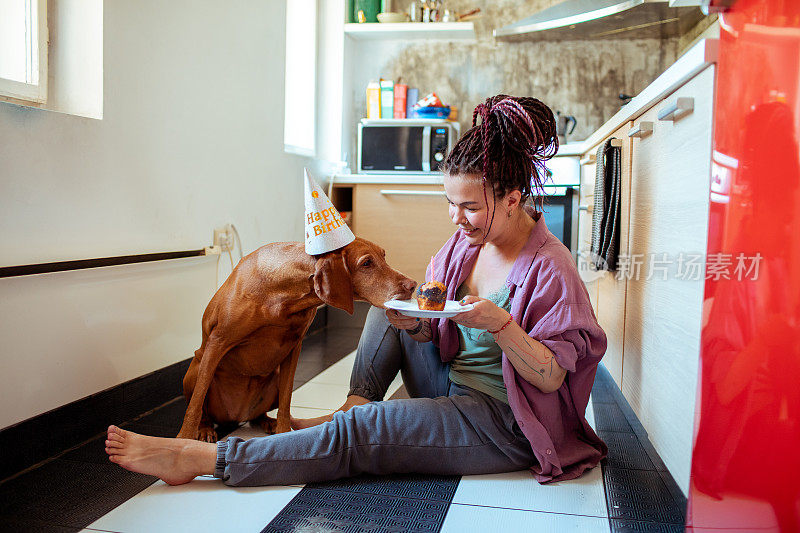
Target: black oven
561,215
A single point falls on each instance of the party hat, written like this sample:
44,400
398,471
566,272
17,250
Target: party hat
325,229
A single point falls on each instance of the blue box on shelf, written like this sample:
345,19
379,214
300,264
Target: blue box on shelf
431,112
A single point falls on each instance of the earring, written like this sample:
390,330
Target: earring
509,214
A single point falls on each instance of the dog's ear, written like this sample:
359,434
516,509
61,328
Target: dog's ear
332,281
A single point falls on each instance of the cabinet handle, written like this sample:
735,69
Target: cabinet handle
678,108
403,192
591,157
587,208
642,129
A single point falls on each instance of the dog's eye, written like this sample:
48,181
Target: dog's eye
367,263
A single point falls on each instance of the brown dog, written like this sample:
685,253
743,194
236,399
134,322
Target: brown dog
254,326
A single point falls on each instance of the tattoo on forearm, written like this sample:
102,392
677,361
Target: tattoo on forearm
421,330
426,330
532,351
416,329
539,372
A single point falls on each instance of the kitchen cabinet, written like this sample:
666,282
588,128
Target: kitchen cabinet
651,309
652,312
669,193
409,221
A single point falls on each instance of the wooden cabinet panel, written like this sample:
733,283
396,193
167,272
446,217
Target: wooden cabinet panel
586,199
612,286
669,215
410,225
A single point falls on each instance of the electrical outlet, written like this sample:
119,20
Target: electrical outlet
223,237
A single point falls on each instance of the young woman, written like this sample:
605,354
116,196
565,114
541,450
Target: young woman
500,388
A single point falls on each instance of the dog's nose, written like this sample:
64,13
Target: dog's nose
409,285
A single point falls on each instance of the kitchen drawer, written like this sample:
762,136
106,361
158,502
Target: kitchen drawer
409,221
669,193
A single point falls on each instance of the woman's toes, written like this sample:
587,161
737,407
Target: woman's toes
113,444
116,432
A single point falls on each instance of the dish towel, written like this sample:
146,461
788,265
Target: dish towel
607,206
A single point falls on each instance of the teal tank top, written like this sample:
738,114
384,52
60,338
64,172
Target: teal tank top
478,363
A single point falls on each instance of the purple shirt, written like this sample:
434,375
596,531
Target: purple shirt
550,302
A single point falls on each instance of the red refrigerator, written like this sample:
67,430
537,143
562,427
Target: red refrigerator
746,455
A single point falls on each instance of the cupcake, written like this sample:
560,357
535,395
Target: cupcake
431,296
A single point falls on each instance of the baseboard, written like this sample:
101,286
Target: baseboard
32,441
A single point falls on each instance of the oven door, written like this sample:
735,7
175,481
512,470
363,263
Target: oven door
561,215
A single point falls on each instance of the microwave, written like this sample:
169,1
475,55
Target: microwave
403,146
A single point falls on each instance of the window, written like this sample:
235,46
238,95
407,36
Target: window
23,49
299,129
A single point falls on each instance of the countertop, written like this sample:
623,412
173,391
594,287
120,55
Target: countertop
573,149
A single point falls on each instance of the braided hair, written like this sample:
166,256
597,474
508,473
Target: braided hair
508,148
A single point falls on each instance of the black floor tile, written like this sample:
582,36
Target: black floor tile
633,526
640,495
68,493
329,510
33,526
400,503
609,417
676,492
625,451
169,415
651,452
425,487
308,368
601,395
93,451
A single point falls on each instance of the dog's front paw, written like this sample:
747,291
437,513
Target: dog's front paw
267,423
206,434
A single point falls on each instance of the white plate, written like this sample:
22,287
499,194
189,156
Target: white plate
410,308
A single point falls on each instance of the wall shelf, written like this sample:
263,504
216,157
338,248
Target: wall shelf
445,31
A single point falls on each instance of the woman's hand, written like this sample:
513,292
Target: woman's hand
401,321
485,315
418,328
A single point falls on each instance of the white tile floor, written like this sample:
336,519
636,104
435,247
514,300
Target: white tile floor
512,502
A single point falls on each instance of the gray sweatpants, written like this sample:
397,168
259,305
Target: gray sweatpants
443,429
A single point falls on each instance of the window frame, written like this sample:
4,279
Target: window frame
308,145
26,92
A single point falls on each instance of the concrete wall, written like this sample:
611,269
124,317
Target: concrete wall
191,138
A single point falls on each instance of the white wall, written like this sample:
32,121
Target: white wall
191,138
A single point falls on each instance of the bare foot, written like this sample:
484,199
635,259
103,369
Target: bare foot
302,423
176,461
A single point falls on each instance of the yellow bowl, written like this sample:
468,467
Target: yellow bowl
391,17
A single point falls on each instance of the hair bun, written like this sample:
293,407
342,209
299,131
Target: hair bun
509,147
